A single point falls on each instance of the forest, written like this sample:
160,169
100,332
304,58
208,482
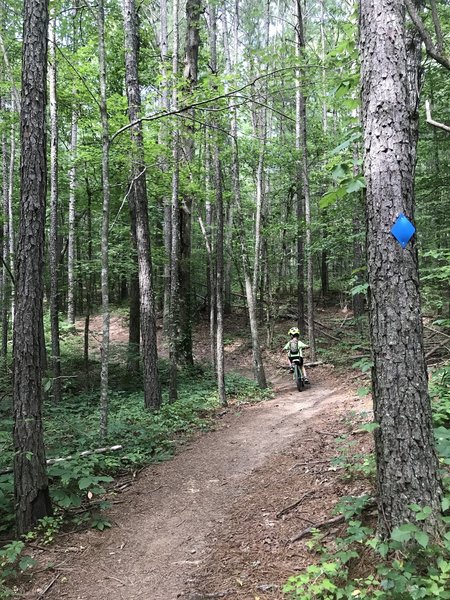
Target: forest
183,182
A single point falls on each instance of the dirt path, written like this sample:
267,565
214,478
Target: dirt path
175,515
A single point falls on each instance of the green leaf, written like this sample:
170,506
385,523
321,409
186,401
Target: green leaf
26,562
355,185
363,391
404,533
422,538
85,482
339,172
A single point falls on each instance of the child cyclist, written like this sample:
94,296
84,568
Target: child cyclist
294,348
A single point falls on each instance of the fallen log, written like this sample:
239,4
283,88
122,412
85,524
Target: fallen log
52,461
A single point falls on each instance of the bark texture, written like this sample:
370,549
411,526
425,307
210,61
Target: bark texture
30,476
53,242
406,460
104,375
138,197
71,220
192,44
301,138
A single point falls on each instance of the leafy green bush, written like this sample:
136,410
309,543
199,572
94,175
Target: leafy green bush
406,567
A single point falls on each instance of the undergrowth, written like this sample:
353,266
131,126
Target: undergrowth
81,486
408,565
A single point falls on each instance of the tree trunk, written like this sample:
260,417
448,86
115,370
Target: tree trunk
71,224
258,367
228,302
301,132
219,279
138,195
5,251
89,285
53,242
164,141
12,243
134,325
175,222
30,476
105,222
193,12
220,364
407,468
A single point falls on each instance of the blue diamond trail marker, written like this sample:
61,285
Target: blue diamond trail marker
403,230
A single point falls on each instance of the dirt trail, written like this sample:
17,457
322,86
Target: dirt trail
171,518
204,524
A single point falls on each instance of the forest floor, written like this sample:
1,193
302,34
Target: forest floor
217,520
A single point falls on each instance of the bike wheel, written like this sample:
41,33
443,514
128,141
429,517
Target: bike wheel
299,378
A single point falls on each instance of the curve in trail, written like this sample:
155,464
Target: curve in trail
160,531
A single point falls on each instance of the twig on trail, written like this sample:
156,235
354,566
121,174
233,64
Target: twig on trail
158,488
309,463
333,433
314,364
115,579
54,580
204,595
308,530
287,509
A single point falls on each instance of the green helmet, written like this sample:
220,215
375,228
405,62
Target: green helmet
294,331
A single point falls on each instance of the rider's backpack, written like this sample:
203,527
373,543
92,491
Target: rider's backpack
293,347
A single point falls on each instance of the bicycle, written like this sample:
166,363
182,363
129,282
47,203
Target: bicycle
298,373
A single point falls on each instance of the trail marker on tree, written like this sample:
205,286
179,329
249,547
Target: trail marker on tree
403,230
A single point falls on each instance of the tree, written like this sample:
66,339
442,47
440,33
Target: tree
301,144
30,475
192,44
406,461
105,221
138,199
174,220
53,241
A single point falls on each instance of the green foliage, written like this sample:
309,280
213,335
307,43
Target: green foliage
72,427
440,395
12,562
354,465
407,566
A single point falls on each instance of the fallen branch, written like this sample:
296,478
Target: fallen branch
309,463
314,364
52,582
329,335
332,433
52,461
435,349
335,521
437,331
287,509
